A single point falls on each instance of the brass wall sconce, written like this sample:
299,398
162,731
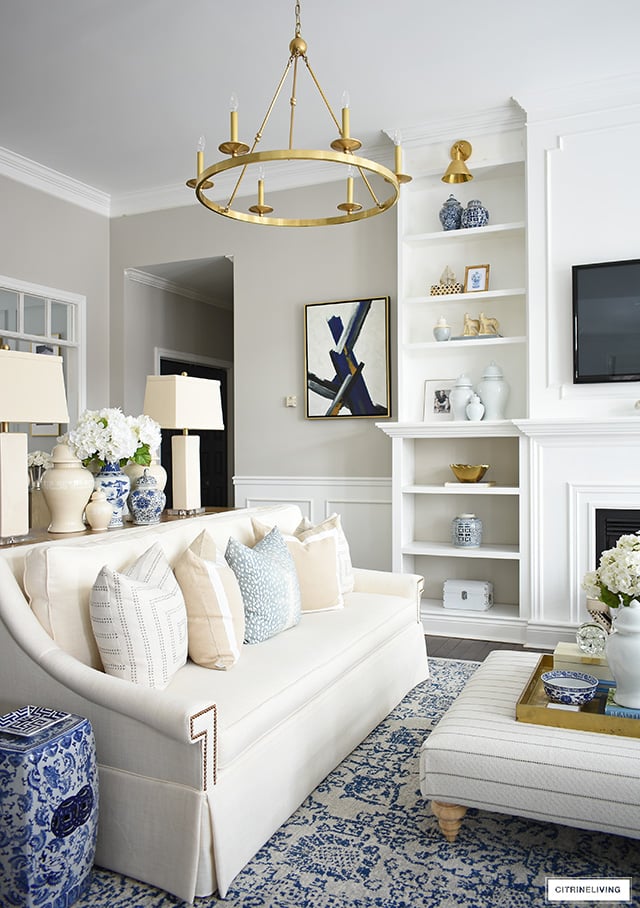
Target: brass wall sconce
457,171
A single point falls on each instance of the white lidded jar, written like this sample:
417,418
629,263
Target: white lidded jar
475,409
459,397
494,392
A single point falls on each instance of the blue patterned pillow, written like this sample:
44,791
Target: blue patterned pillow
269,585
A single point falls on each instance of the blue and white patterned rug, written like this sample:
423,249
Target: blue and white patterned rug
366,839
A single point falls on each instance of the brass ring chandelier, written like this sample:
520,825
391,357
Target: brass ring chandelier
240,155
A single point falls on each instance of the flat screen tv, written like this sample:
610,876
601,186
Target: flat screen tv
606,322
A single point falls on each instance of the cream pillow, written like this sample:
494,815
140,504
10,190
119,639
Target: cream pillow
215,611
139,621
58,579
316,566
305,530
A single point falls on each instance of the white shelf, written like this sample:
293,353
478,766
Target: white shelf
451,428
497,610
463,297
466,488
447,550
441,345
465,233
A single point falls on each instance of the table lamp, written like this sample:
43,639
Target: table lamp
31,390
184,402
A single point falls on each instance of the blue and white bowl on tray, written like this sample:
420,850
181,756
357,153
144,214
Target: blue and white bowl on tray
570,688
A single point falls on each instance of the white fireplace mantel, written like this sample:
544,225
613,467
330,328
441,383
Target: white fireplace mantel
575,467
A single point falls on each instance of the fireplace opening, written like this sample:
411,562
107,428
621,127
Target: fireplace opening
611,524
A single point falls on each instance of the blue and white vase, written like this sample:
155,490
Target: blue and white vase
146,500
451,214
466,531
115,484
475,214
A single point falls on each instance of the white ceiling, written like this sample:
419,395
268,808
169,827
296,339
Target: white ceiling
114,93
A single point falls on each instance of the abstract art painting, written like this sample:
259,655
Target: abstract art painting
347,359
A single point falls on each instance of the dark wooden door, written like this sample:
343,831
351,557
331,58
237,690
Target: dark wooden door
214,467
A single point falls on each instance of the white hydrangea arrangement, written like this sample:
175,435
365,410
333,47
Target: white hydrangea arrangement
616,582
39,459
108,436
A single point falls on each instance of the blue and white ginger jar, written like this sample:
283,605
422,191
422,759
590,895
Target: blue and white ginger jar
451,214
475,214
146,500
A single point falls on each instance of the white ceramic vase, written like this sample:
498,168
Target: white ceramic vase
99,512
623,654
459,397
494,392
67,487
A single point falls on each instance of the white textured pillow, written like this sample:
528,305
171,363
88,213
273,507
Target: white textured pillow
215,611
305,530
139,621
316,566
269,585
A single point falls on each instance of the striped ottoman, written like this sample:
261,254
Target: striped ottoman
480,756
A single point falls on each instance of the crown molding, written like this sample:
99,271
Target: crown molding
37,176
490,120
161,283
587,97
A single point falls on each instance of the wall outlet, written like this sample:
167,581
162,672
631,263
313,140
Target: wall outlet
291,400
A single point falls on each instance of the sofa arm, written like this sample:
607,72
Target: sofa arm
408,586
25,645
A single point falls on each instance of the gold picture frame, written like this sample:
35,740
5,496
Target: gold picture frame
476,278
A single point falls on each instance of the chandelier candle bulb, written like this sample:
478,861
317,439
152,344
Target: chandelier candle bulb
346,126
233,116
261,186
200,155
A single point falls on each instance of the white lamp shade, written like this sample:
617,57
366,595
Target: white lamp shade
183,402
32,388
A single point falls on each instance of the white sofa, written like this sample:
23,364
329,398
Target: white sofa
195,778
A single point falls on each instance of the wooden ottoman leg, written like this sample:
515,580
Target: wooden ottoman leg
449,818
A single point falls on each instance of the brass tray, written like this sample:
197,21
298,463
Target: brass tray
532,707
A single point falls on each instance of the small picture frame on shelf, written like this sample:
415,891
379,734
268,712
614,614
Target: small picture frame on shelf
436,399
476,278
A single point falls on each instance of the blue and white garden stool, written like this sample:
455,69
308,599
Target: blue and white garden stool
48,807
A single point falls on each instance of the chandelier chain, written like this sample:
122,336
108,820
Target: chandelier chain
297,19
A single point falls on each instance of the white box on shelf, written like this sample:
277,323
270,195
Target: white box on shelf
473,595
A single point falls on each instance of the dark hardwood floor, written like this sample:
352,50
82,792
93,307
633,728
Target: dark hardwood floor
470,650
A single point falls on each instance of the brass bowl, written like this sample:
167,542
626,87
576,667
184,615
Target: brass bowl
467,472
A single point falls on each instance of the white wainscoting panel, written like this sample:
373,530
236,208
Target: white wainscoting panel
364,505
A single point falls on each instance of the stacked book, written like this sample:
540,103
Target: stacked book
611,708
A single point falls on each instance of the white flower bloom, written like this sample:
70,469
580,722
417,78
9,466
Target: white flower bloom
103,435
147,431
618,575
39,459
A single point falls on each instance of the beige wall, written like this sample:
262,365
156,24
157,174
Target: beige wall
276,271
46,241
